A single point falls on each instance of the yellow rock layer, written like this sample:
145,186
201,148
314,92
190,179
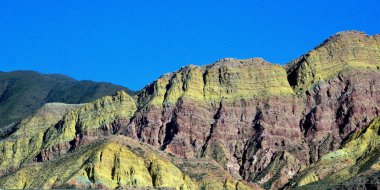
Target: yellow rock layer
118,162
26,142
225,80
341,165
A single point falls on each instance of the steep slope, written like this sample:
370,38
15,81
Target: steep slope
101,165
261,121
216,111
25,139
91,121
57,128
37,153
23,92
342,51
358,159
120,162
226,125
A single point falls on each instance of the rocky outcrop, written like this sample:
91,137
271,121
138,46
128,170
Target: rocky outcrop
118,162
23,144
89,122
342,51
243,121
356,164
58,128
246,114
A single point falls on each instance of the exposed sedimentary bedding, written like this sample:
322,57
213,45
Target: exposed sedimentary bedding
120,162
358,159
26,139
259,122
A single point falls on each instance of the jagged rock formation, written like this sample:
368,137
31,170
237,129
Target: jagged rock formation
358,160
246,115
116,163
24,92
244,122
24,141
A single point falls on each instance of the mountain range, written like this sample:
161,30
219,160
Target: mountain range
312,123
24,92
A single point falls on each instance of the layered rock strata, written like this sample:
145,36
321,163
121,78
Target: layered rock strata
259,122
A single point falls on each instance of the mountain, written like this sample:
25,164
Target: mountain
356,164
234,124
70,146
23,92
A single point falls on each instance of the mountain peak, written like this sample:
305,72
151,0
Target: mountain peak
257,61
342,51
343,36
227,125
350,33
23,92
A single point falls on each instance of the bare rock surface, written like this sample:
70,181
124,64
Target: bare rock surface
263,124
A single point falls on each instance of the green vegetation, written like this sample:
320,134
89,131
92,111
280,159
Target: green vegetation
57,124
24,92
79,145
114,162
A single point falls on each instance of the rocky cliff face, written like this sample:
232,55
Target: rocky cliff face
261,121
243,122
355,165
24,141
118,162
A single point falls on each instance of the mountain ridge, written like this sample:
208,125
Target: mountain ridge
23,92
265,125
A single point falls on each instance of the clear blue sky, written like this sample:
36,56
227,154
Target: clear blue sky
132,43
